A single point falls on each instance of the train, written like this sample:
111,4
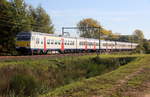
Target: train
43,43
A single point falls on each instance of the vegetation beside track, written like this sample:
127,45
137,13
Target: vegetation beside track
70,75
131,80
49,73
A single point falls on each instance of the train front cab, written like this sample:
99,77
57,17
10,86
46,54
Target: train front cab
23,43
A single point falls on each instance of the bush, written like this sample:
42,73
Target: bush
23,85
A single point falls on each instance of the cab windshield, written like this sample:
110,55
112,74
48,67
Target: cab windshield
23,38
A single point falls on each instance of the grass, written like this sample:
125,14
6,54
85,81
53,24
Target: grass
137,85
82,76
50,73
105,84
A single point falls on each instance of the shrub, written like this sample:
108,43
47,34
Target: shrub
23,85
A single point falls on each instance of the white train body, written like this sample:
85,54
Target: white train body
42,42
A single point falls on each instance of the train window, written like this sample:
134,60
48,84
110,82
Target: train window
56,42
33,38
80,43
59,42
37,40
65,42
90,43
97,44
41,41
48,41
24,38
104,44
52,41
73,43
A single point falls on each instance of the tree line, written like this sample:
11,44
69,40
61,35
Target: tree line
17,16
136,37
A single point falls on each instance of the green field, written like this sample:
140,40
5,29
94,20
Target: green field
83,76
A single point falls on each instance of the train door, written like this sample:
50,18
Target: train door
44,44
86,45
33,42
94,45
62,44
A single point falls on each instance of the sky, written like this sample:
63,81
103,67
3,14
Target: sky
120,16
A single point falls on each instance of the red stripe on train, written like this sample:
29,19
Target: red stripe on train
44,43
86,45
94,46
62,44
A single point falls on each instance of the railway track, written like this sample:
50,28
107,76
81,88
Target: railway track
45,56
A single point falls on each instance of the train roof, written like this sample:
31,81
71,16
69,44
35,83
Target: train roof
34,33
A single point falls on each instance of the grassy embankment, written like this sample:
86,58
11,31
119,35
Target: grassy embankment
131,80
67,76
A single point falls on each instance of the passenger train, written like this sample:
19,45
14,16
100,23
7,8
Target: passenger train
43,43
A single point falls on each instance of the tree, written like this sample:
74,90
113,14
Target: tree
21,16
41,20
138,35
6,26
91,32
15,17
139,38
146,45
86,30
